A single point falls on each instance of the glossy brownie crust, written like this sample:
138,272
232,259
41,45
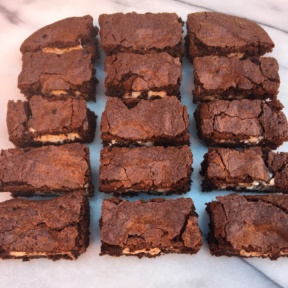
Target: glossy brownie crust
159,122
210,33
242,123
231,78
154,170
253,169
149,228
54,229
249,226
43,121
148,76
48,170
141,33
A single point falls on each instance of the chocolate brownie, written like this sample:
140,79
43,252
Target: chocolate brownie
149,228
253,169
242,123
48,170
211,33
141,33
63,36
249,226
151,122
154,170
231,78
53,229
44,121
50,74
133,76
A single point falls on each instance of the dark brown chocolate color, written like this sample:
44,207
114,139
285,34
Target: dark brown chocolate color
160,121
242,123
249,226
48,170
149,228
43,121
54,229
231,78
141,33
253,169
211,33
159,170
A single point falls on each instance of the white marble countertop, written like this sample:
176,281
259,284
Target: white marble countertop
18,19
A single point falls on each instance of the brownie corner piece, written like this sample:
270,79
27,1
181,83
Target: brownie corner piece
167,226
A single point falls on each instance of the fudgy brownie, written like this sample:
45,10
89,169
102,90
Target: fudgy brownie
44,121
48,170
149,228
249,226
133,76
64,36
151,122
211,33
232,78
253,169
156,170
54,229
141,33
50,74
241,123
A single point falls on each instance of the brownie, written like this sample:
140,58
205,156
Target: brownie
43,121
151,122
64,36
253,169
242,123
133,76
53,229
141,33
48,170
232,78
211,33
249,226
50,74
149,228
154,170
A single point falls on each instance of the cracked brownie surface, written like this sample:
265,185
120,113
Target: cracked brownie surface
249,226
149,228
160,170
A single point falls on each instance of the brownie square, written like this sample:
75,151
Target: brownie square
53,229
141,33
133,76
249,226
231,78
151,122
43,121
48,170
149,229
154,170
211,33
242,123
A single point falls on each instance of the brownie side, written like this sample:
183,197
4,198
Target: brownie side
249,226
53,229
50,75
241,123
231,78
149,229
141,33
131,76
151,122
154,170
211,33
48,170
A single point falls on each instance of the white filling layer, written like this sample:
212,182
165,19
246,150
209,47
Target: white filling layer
61,50
160,190
161,94
252,139
39,254
132,95
150,94
152,251
258,254
57,138
255,185
147,144
58,92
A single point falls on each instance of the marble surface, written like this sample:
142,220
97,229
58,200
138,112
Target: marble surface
18,19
